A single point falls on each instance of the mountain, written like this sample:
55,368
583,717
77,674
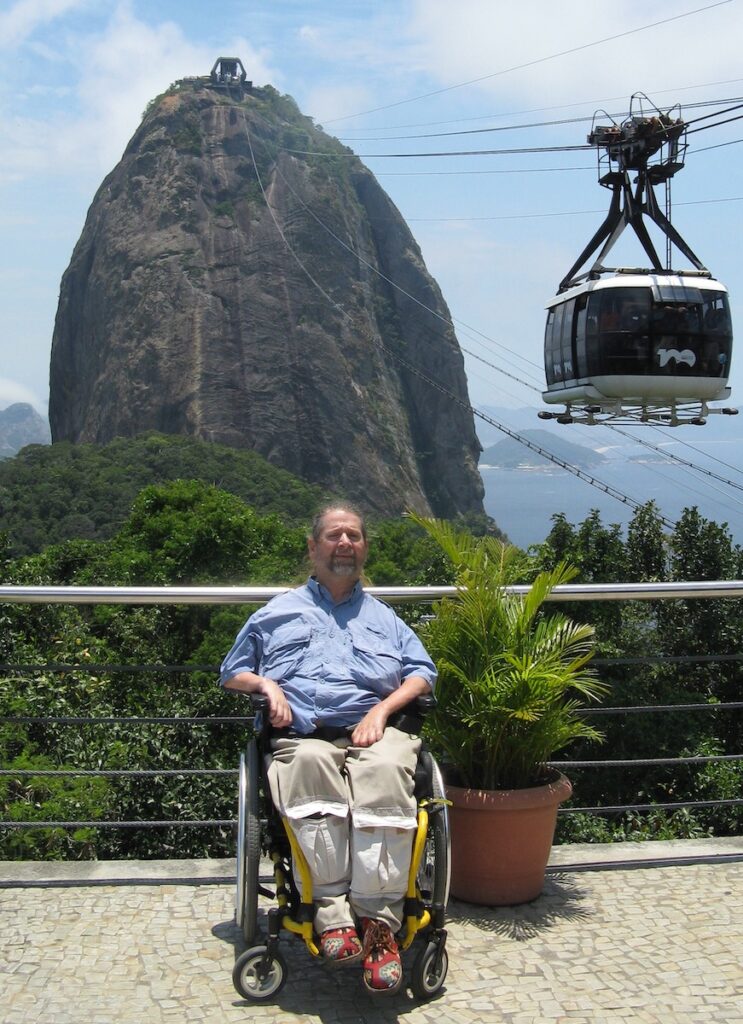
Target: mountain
233,282
20,425
509,453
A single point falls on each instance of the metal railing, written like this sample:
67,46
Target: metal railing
393,595
705,590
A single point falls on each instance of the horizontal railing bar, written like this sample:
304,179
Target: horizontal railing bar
645,762
220,823
113,773
668,659
223,823
108,667
642,708
59,666
169,772
72,720
395,595
249,719
650,807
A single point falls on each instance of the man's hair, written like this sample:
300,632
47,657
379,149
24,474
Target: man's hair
341,506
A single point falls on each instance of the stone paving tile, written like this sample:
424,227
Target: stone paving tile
646,946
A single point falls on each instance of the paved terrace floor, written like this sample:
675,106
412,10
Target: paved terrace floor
657,941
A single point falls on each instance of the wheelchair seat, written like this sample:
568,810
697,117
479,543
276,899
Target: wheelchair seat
261,971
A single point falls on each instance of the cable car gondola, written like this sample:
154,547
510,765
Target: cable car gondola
633,344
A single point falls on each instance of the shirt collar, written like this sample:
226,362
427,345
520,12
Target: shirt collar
324,594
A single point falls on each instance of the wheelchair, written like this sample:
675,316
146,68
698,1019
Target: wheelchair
261,971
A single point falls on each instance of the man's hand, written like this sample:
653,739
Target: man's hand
371,727
279,712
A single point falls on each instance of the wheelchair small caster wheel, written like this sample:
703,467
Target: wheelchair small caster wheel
429,971
258,974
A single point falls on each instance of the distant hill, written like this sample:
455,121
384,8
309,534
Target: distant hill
63,491
20,424
509,453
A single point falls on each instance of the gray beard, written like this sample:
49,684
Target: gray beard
343,568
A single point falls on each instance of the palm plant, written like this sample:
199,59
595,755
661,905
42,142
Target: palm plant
511,679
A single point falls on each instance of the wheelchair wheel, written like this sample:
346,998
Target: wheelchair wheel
434,874
258,975
248,844
429,971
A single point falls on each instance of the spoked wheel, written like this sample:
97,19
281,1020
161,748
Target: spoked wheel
429,971
434,873
248,844
258,975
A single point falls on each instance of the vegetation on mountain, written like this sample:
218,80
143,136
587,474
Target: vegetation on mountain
49,494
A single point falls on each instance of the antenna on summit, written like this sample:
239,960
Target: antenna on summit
228,73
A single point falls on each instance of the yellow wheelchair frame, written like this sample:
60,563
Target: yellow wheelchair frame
261,971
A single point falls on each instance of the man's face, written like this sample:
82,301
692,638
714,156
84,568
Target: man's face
340,551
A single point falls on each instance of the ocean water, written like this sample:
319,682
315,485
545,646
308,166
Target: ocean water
523,501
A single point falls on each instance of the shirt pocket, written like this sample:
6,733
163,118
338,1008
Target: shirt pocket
377,660
286,650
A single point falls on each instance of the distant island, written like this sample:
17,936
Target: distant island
511,454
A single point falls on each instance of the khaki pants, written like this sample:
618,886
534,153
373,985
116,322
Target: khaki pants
353,812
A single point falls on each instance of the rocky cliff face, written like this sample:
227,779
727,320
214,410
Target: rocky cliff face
185,309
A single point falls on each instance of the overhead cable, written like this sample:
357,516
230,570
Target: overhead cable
560,106
437,385
531,63
567,213
538,124
699,451
448,322
719,145
474,355
453,152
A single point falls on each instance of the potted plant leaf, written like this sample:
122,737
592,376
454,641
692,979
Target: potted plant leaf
512,682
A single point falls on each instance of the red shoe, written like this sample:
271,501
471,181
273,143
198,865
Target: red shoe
382,964
341,946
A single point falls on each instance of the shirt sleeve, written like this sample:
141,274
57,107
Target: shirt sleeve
246,652
415,659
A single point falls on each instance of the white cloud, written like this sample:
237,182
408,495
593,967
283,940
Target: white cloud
479,38
117,71
26,16
11,392
328,102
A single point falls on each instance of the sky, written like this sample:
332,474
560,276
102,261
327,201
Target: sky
497,231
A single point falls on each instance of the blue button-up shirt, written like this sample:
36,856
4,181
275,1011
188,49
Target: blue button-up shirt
334,662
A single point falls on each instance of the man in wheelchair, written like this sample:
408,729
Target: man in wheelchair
334,666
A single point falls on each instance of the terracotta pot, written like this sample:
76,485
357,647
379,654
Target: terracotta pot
501,841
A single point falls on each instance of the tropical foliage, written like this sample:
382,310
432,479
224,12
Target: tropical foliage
511,679
64,491
88,687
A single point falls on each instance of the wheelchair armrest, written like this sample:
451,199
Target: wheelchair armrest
258,701
410,718
423,704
